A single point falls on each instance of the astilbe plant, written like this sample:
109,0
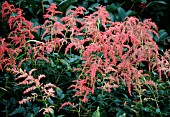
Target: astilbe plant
21,31
39,92
115,50
112,52
21,42
163,63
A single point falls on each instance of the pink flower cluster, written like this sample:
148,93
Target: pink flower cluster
38,90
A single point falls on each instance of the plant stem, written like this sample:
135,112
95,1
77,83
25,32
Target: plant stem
79,108
101,101
150,88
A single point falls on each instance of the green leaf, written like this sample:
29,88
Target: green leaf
35,21
130,13
61,3
59,92
52,112
135,1
162,34
71,60
30,115
13,15
46,38
121,13
50,100
144,1
18,110
155,3
121,114
106,1
96,113
60,115
92,7
111,7
112,17
65,63
39,11
146,109
62,96
85,4
158,110
36,110
38,1
70,7
49,1
52,63
98,1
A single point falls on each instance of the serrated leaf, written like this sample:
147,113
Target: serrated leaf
96,113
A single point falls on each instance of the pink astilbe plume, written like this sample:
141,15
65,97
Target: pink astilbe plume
21,30
116,52
3,49
163,64
51,11
67,104
47,110
82,89
7,55
21,34
38,90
